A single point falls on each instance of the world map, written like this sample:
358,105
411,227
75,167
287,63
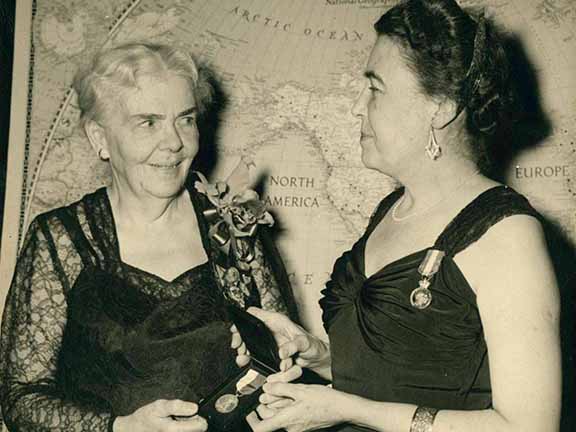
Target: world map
290,72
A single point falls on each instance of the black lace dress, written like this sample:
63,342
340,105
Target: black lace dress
86,337
436,357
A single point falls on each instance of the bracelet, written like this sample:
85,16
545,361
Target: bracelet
423,419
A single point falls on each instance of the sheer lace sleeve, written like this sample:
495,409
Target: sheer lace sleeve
271,278
32,328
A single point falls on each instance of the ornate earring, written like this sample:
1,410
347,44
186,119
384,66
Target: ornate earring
103,159
433,149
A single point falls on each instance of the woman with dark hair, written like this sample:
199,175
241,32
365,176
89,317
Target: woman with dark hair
444,314
116,317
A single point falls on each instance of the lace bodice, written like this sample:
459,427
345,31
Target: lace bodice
36,313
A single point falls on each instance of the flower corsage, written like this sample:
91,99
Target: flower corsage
233,223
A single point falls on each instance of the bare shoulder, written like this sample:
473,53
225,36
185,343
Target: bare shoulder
517,297
512,253
521,234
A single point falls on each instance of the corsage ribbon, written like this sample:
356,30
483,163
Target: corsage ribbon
233,217
233,222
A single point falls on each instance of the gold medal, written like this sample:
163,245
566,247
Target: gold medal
226,403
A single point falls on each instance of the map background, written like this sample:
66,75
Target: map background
289,72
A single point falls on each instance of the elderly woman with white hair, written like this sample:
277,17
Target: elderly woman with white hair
116,316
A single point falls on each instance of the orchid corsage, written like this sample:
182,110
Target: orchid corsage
233,223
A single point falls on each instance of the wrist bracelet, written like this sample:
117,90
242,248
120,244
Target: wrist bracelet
423,419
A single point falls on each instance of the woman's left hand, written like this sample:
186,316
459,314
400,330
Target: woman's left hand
299,407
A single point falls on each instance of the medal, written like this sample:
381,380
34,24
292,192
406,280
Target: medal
246,385
421,297
226,403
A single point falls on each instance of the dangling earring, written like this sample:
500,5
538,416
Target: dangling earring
103,159
433,149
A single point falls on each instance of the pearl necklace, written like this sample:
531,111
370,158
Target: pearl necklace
430,207
410,215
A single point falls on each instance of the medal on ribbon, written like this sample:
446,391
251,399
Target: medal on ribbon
246,385
421,297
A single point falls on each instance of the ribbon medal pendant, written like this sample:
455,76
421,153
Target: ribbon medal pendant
247,385
421,297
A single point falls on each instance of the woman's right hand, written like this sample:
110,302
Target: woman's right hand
163,416
293,342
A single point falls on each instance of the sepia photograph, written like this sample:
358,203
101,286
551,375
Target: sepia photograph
288,215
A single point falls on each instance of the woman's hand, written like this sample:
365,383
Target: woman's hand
299,407
163,416
309,351
242,354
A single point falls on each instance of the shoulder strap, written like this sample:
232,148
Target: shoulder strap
100,219
70,221
43,224
489,208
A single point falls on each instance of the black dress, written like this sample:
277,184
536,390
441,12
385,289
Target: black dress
86,337
436,357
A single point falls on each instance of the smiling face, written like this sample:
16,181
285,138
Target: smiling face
150,134
395,114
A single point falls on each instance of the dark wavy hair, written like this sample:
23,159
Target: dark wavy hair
458,55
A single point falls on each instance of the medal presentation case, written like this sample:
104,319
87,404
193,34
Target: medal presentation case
231,402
